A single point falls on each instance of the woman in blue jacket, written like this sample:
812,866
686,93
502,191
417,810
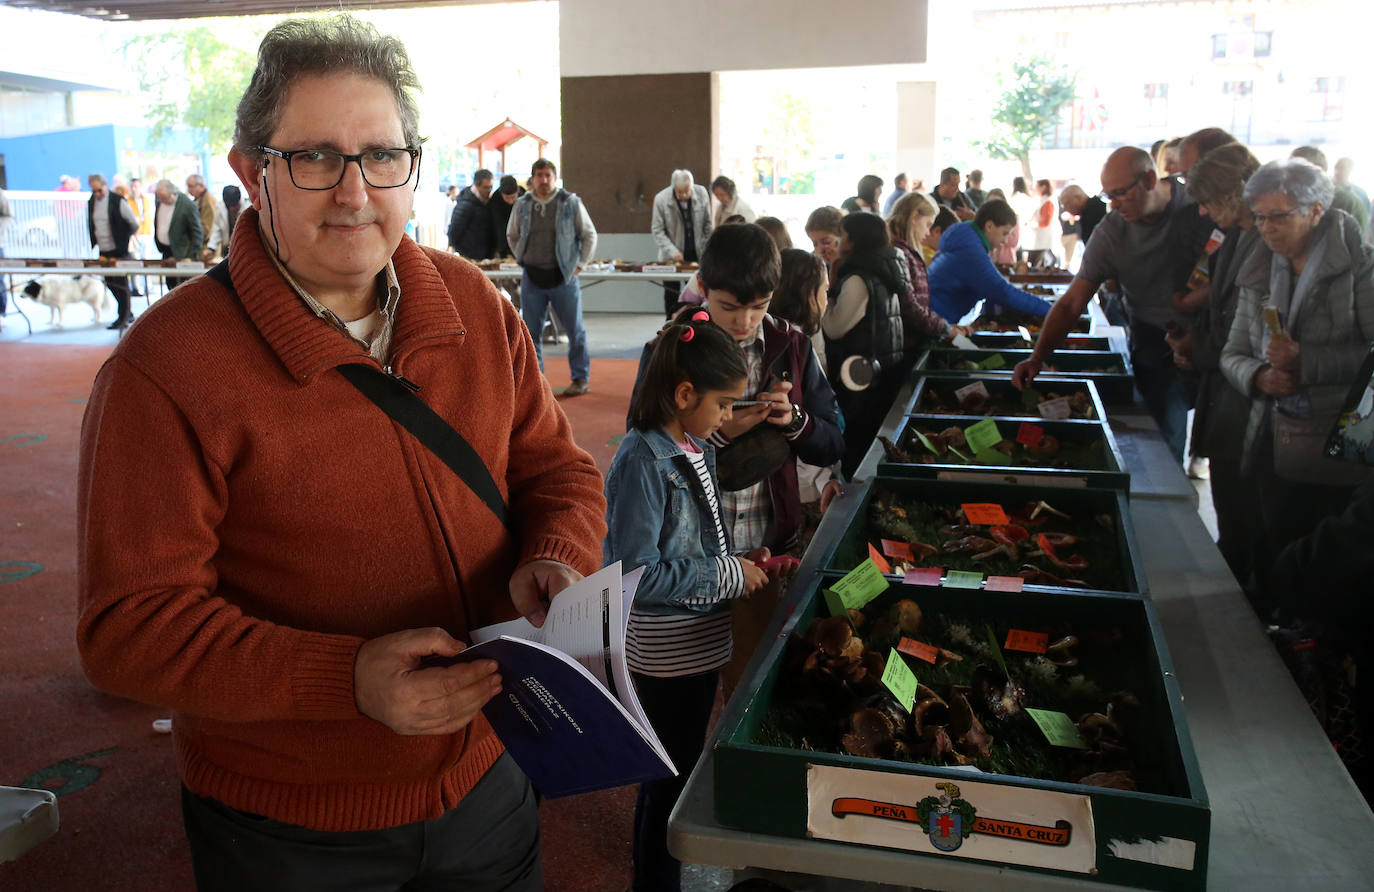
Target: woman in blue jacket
963,274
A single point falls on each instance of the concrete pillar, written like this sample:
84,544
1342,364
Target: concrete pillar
916,132
623,136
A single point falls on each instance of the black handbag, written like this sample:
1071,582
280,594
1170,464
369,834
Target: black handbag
396,398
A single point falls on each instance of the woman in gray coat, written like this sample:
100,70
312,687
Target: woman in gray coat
1304,322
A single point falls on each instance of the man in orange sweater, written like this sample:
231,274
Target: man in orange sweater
269,555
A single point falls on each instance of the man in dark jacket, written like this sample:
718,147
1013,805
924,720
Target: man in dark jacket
469,230
500,209
176,226
112,224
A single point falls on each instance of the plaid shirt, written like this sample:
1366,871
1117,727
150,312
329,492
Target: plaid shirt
749,511
380,346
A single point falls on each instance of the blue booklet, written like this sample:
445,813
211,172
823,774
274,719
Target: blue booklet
567,711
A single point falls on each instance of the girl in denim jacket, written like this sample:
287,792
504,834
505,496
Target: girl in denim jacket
663,514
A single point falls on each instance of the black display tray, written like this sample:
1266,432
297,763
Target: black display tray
1111,372
935,395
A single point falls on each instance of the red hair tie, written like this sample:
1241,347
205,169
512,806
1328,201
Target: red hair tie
689,333
701,316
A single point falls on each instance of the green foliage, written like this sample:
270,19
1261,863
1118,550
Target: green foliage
192,78
1033,93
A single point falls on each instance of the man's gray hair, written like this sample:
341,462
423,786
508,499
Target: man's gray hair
1302,181
195,179
298,48
168,185
96,178
682,178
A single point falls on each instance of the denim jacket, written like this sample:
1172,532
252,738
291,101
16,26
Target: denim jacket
657,518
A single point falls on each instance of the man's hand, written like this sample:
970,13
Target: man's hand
956,330
1025,372
744,420
1190,302
1275,382
391,686
577,272
964,213
533,585
677,257
755,577
781,411
832,490
1180,340
1285,354
207,254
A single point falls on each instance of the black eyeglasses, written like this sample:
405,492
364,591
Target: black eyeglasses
1115,194
321,169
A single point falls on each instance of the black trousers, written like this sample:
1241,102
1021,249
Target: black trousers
118,285
486,843
166,251
671,290
680,711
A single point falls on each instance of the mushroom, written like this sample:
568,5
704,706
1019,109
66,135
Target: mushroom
968,543
1058,652
1046,447
1047,549
1112,780
1044,507
1039,576
871,734
1002,694
970,737
894,452
906,616
831,634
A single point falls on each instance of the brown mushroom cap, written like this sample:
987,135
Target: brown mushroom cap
906,614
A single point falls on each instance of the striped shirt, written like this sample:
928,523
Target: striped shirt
673,645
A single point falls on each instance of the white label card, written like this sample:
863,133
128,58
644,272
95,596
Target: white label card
967,819
1055,408
128,264
977,388
510,267
190,264
69,264
659,268
963,342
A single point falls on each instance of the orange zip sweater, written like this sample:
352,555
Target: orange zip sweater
247,519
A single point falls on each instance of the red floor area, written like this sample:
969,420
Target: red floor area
121,822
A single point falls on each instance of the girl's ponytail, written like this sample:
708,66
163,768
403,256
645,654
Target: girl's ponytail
690,348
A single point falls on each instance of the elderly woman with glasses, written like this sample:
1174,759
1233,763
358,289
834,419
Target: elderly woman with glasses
1304,322
1216,183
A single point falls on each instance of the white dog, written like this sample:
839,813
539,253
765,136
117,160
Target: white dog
57,291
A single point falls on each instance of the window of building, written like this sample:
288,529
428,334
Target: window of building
1219,46
1264,41
1327,98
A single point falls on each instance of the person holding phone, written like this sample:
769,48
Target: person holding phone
758,447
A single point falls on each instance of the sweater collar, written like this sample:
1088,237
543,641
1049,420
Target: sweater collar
307,344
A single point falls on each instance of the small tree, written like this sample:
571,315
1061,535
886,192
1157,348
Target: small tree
192,77
1033,93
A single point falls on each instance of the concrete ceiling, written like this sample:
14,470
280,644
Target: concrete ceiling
144,10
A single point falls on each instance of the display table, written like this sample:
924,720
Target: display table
1285,814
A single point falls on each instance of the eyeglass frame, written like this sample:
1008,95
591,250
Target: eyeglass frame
1261,219
1118,194
413,151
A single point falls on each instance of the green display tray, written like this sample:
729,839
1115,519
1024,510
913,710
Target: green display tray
1012,340
764,788
934,395
851,547
1111,372
1008,320
1110,472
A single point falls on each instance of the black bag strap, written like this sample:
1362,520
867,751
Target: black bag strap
407,409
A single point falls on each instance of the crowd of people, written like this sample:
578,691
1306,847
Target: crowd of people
306,548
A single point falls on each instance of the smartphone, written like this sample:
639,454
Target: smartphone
746,404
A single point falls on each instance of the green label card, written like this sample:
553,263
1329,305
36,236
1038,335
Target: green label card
982,436
997,652
990,457
963,579
860,585
995,361
836,604
1031,397
1058,728
961,455
900,680
925,442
